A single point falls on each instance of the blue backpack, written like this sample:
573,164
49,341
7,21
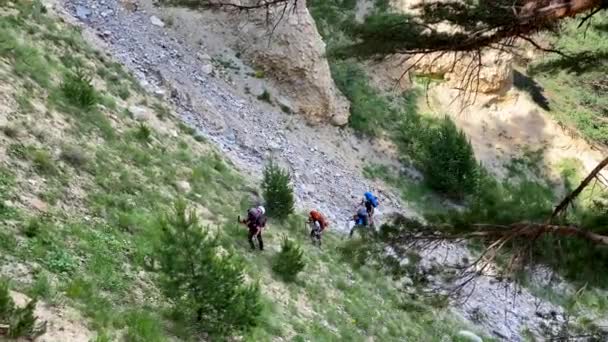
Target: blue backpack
369,197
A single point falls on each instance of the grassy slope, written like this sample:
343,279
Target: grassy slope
81,191
571,88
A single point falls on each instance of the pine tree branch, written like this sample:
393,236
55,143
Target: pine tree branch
563,205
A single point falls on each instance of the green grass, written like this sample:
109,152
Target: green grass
576,89
265,96
94,249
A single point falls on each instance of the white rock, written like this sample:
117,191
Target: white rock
469,336
156,21
183,186
140,113
203,57
160,93
207,69
296,58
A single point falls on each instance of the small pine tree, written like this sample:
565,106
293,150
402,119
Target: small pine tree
290,261
21,321
278,192
210,287
449,161
78,89
6,302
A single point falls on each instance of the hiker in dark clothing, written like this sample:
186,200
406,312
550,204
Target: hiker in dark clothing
255,221
361,219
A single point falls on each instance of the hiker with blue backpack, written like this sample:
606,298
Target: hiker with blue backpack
371,202
364,215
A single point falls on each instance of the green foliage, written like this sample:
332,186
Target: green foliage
60,261
186,129
265,96
43,162
42,287
278,192
78,89
448,161
580,81
370,111
143,326
203,282
75,156
6,302
21,321
143,133
289,261
32,228
10,131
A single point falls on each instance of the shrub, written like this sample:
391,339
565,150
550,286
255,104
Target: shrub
74,156
265,96
10,131
448,161
21,321
32,229
290,261
78,89
43,162
143,133
204,284
278,193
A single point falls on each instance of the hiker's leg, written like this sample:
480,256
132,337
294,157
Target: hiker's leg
261,242
250,237
352,231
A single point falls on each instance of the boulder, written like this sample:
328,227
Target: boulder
294,56
207,69
140,113
183,187
156,21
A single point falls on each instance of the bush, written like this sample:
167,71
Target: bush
10,131
265,96
448,161
32,229
44,163
78,89
290,261
278,192
74,156
21,321
205,285
143,133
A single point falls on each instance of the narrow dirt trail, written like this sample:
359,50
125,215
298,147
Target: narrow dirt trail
325,162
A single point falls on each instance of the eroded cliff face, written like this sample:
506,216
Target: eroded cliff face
458,70
293,54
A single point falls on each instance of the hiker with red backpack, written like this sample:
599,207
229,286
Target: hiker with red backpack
318,224
255,221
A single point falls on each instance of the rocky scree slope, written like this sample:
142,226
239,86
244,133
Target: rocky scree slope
82,185
325,165
323,161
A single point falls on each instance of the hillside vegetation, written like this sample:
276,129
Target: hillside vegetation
575,88
574,93
91,169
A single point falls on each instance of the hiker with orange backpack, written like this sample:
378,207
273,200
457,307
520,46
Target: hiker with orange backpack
318,223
